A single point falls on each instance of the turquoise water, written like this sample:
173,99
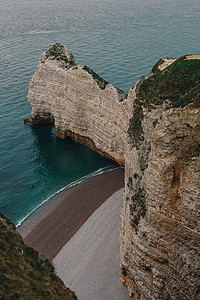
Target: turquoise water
120,40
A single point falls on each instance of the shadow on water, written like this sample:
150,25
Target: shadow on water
48,164
62,160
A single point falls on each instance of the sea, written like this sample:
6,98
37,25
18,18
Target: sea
119,39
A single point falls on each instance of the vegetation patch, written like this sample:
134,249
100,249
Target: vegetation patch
137,208
179,83
135,129
58,52
130,183
24,274
100,81
177,86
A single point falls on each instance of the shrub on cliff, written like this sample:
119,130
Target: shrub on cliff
24,274
177,86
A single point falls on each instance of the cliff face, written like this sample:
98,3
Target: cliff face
156,132
159,230
82,104
24,273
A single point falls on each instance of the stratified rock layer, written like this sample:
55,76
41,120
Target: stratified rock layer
83,105
159,230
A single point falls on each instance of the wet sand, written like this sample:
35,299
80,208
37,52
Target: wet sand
54,224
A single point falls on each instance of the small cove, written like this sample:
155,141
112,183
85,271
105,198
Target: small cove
120,40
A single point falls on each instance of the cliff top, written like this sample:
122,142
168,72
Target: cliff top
23,272
176,85
58,52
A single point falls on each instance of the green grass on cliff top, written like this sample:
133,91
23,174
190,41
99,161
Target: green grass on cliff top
57,52
179,84
24,274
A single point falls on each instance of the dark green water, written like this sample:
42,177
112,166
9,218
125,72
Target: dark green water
120,39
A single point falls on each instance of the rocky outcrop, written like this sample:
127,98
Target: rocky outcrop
82,104
24,273
156,133
159,230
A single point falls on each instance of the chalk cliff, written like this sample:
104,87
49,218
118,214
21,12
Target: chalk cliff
156,133
82,104
159,230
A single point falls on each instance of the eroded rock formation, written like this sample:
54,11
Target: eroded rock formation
83,105
159,230
156,130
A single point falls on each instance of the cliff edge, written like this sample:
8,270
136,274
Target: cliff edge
159,230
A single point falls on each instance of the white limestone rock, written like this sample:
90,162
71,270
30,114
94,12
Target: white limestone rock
83,105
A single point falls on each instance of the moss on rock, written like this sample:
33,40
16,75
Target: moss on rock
137,208
100,81
58,52
177,86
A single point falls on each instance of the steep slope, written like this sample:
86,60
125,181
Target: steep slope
24,274
82,104
159,230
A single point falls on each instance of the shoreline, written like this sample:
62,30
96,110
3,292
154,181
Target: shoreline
63,189
51,226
